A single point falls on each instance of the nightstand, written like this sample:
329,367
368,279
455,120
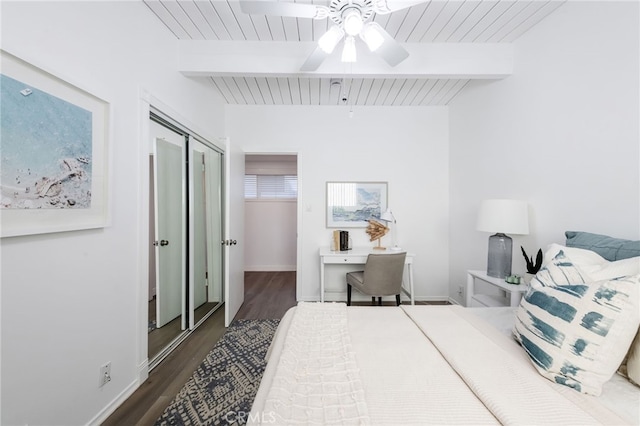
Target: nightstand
510,293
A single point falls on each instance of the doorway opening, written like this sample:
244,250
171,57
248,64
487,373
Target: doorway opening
271,212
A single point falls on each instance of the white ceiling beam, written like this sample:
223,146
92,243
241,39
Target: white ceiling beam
199,58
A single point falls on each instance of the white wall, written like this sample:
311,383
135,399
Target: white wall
407,147
561,133
70,301
270,235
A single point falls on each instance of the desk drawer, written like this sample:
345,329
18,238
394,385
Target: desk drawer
345,259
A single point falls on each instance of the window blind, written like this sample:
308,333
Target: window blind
270,187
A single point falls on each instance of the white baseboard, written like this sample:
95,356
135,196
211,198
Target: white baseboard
270,268
113,405
431,299
143,374
143,371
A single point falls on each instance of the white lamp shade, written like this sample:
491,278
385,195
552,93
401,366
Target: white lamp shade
387,216
504,216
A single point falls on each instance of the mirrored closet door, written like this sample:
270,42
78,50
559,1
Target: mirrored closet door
206,178
185,228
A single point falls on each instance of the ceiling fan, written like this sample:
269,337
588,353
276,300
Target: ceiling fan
350,18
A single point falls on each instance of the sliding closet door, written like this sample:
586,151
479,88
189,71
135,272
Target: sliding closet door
215,208
200,267
206,219
167,310
169,239
186,253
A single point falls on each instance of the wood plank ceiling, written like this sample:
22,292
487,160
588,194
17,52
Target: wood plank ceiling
436,21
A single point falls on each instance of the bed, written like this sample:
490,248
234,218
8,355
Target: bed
329,364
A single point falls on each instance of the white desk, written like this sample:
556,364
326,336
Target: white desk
358,256
512,297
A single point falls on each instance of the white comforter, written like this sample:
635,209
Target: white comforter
409,365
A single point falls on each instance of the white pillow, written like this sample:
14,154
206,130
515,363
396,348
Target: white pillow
598,268
575,329
578,256
591,263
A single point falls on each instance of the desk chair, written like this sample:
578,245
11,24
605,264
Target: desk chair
382,276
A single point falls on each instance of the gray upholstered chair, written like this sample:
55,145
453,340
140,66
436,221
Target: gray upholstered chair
382,276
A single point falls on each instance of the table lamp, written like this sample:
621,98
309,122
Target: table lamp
388,217
502,217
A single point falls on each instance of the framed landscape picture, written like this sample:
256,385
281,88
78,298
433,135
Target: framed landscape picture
54,157
352,204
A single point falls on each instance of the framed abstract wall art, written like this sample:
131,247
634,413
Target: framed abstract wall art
352,204
53,153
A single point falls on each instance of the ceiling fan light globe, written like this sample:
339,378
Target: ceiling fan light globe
330,39
349,50
372,37
353,22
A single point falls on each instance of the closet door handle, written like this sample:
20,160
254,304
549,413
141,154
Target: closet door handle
164,242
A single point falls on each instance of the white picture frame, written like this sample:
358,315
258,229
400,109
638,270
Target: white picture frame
55,140
352,204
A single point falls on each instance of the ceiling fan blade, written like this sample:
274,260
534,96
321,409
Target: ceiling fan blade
387,6
314,60
390,50
276,8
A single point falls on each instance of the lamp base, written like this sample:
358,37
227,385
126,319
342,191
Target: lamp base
499,256
379,247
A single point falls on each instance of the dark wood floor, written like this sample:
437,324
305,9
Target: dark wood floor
267,295
159,338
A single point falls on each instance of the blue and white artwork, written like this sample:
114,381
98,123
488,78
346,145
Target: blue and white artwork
46,149
352,204
366,206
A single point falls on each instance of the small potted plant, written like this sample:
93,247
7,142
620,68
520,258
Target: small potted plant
532,268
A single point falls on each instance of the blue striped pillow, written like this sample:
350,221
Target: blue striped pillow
577,331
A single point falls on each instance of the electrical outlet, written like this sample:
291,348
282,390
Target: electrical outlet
460,290
105,374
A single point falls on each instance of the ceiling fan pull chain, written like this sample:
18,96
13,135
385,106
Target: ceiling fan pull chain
350,100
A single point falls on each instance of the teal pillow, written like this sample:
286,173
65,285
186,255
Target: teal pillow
610,248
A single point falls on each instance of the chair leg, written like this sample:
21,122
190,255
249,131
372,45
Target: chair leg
348,294
379,301
373,301
398,299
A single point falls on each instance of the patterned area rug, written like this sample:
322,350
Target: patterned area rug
222,389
